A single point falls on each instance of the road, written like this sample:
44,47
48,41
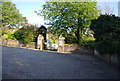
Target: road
20,63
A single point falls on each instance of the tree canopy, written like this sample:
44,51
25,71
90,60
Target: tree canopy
107,33
11,15
26,34
72,19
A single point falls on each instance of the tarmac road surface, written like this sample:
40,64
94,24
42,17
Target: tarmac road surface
20,63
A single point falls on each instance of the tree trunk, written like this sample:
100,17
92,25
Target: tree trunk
78,35
79,31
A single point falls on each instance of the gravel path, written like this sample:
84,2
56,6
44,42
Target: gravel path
19,63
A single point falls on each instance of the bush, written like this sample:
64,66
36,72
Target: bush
70,39
11,35
89,44
3,32
26,34
107,34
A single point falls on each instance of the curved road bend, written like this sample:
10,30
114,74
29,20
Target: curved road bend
19,63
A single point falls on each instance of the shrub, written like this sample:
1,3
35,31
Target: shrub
11,35
26,34
89,44
107,33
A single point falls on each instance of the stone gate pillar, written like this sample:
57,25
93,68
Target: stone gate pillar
61,43
40,42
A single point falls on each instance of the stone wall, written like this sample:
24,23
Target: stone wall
10,42
70,47
112,59
31,45
75,49
15,43
83,51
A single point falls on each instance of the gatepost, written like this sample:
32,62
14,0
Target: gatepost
61,43
40,42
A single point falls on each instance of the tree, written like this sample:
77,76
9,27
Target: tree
26,34
69,18
107,33
11,15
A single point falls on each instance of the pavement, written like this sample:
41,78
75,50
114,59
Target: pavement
20,63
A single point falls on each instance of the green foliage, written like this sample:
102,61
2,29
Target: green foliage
69,18
70,39
52,38
11,15
0,33
107,34
11,35
89,44
26,34
3,32
7,32
5,36
52,41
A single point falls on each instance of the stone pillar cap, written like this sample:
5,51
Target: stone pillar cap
40,37
61,37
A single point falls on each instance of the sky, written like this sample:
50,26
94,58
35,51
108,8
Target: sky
27,8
